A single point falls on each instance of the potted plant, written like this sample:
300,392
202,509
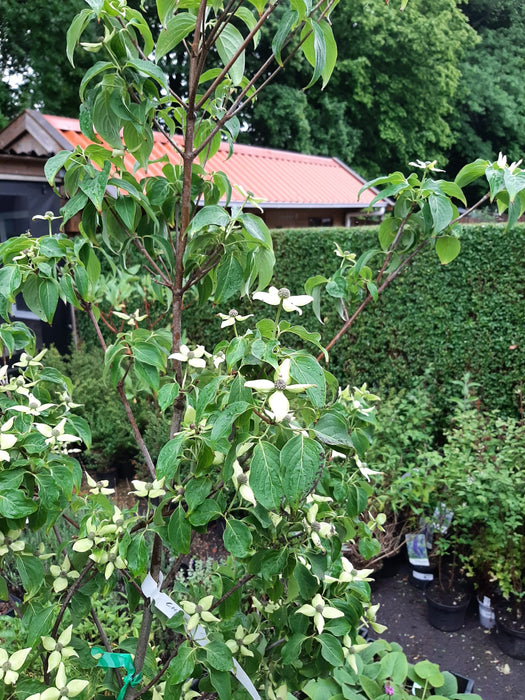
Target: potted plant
381,669
482,480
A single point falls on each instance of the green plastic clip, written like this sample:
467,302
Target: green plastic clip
116,660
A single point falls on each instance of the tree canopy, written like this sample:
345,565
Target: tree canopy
438,80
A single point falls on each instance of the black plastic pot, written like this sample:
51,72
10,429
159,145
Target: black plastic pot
465,685
511,641
444,616
421,576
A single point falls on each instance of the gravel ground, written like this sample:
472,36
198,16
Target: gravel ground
471,652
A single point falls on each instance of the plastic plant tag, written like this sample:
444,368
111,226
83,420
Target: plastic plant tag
417,549
115,660
166,605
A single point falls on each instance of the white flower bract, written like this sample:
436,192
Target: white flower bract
275,296
277,400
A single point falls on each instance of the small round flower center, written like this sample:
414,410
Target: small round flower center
33,404
112,556
64,692
8,541
316,527
91,535
233,313
6,666
119,522
191,355
283,293
62,574
280,384
199,609
319,608
242,479
55,432
59,647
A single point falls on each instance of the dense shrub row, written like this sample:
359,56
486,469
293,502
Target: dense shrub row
434,323
466,316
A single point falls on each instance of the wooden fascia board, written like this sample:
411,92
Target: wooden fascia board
45,140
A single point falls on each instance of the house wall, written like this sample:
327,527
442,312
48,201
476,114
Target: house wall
303,218
20,200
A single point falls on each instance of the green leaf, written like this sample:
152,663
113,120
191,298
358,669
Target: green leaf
225,420
4,593
287,21
179,532
292,649
237,538
265,265
228,44
168,459
331,51
167,395
221,681
150,69
95,187
177,29
229,278
357,501
211,215
471,172
429,671
73,206
306,370
15,505
265,475
452,190
307,582
48,293
301,462
219,656
441,211
37,623
332,429
447,248
76,30
54,165
331,649
98,67
314,48
31,572
203,514
325,689
181,667
196,491
256,229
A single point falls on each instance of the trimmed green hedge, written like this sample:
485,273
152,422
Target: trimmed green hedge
466,316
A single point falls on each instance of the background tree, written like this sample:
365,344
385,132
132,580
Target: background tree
33,61
392,94
490,116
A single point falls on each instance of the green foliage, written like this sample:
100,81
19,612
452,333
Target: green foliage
465,316
32,56
261,437
113,445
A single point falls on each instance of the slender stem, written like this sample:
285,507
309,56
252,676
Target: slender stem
241,48
147,617
232,590
105,642
127,406
471,209
395,242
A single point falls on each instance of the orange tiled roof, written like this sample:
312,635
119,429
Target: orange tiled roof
279,178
